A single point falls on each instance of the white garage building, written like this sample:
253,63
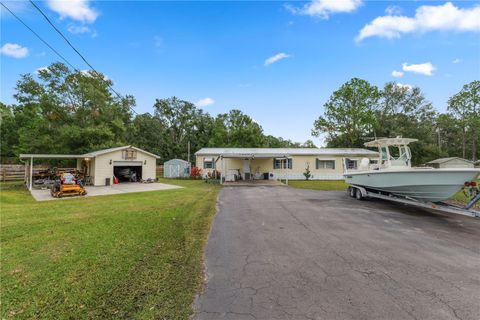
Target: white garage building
102,165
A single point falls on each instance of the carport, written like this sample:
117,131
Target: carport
29,159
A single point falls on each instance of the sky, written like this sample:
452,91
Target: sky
277,61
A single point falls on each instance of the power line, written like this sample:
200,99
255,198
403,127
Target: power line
74,49
61,115
55,51
39,37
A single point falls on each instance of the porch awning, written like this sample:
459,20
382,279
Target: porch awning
253,156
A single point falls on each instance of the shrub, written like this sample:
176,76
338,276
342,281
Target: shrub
307,173
213,174
196,173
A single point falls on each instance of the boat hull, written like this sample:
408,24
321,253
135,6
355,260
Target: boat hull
428,185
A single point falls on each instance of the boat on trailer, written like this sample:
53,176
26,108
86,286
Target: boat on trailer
392,177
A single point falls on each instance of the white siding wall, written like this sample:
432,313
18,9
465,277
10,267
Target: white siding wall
298,166
103,169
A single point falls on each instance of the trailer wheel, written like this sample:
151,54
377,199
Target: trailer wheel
358,195
351,192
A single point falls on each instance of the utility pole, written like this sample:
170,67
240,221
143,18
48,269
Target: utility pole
188,148
439,140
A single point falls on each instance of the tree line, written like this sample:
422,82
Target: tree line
68,112
359,111
64,111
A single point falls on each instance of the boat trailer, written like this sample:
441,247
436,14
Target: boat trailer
361,193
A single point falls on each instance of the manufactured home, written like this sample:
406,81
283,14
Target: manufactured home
280,163
127,163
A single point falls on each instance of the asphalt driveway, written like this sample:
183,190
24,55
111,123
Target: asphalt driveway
284,253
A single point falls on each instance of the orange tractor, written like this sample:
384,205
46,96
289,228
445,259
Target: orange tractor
68,185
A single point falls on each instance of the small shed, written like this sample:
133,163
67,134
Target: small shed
453,162
176,168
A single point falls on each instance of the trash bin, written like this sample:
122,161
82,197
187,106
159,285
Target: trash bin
107,181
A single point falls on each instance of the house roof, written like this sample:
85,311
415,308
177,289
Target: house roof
443,160
85,155
281,152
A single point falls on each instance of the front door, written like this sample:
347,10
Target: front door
246,169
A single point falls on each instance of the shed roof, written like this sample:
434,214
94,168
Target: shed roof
104,151
278,152
443,160
85,155
176,160
50,156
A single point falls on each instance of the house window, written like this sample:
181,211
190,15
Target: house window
351,164
130,154
282,163
325,164
208,163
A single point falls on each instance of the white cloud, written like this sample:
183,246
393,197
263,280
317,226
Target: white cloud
72,28
14,50
205,102
79,10
324,8
81,29
426,68
445,17
393,10
275,58
397,74
457,60
404,86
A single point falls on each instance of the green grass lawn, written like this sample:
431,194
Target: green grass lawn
135,255
319,184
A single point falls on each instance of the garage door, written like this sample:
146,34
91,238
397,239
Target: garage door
127,171
127,163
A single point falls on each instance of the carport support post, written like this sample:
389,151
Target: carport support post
31,174
222,174
286,172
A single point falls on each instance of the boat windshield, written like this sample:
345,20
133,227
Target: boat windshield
395,156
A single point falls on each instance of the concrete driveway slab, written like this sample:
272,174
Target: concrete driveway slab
283,253
44,195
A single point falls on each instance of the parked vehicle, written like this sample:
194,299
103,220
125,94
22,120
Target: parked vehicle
393,178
